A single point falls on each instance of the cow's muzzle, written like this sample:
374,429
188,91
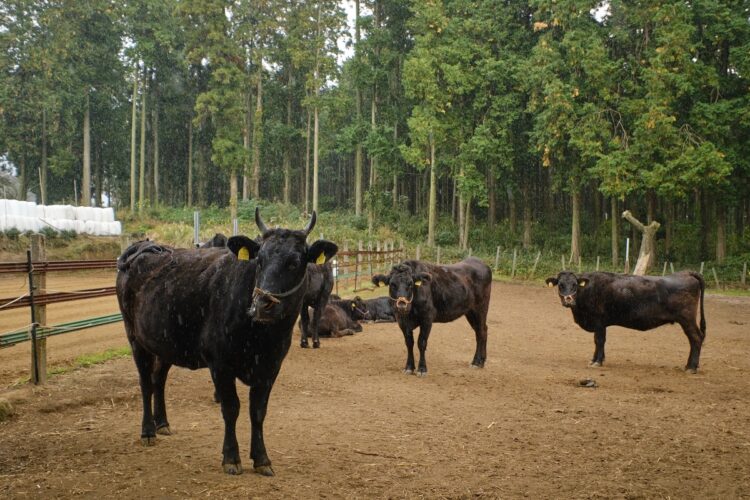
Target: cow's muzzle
402,304
262,307
568,300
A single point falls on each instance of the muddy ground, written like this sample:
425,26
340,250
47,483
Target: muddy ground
344,422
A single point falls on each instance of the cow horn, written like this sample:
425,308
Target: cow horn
259,221
310,225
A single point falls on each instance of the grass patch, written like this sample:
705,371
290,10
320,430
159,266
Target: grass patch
89,360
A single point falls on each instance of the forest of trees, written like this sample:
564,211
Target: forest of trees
553,114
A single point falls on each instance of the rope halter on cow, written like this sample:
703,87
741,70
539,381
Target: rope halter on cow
275,298
402,300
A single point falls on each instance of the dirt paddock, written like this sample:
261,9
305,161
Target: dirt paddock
344,422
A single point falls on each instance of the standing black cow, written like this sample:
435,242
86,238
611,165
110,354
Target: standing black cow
380,309
232,312
425,293
599,300
319,286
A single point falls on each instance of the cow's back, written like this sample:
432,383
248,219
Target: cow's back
638,302
166,300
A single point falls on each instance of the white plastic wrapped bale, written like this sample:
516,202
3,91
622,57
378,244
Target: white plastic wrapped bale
115,228
108,214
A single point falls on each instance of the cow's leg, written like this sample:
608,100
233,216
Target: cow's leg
479,325
159,380
695,337
424,334
304,325
600,337
260,392
230,410
409,339
144,361
315,323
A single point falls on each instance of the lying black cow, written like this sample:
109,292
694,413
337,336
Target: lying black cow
380,309
425,293
232,312
599,300
218,241
319,286
341,317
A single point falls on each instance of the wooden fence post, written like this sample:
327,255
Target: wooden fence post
358,261
716,278
513,269
744,273
597,263
536,261
497,258
664,270
346,262
419,252
438,256
38,286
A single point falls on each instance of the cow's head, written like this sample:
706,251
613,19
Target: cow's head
567,286
358,309
403,283
281,273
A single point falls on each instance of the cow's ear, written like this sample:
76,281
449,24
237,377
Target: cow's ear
243,247
551,281
421,277
583,282
321,251
380,279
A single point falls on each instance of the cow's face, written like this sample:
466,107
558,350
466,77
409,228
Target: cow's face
359,309
403,284
280,277
567,287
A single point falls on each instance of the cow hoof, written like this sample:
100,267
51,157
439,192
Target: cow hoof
595,364
408,371
421,373
233,469
316,344
691,371
164,431
303,345
264,470
477,366
148,440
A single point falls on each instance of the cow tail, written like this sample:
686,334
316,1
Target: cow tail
703,289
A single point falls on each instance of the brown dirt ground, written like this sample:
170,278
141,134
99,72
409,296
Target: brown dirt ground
344,422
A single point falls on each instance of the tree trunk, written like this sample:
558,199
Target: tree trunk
647,254
142,158
615,231
433,196
246,144
526,217
512,210
43,168
316,130
190,164
669,233
86,180
257,134
307,164
133,144
233,196
155,167
467,222
395,173
721,233
23,179
575,237
287,150
492,199
358,152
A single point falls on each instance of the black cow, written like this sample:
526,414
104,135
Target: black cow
600,299
425,293
232,312
381,309
319,286
341,317
218,241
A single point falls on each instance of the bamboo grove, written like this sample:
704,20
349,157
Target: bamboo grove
533,119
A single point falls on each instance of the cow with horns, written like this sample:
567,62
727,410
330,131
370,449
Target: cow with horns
600,299
425,293
232,312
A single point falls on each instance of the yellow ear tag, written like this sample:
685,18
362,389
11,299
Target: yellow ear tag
243,254
581,283
321,259
550,284
354,306
418,283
